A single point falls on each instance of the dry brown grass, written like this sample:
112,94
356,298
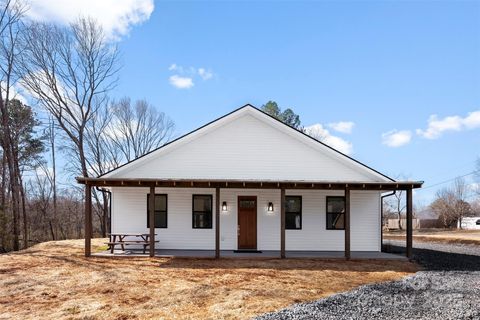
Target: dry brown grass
443,236
53,280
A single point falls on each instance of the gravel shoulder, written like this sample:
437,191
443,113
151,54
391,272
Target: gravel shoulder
448,288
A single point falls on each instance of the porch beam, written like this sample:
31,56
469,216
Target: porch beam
88,220
409,223
151,220
347,224
217,222
201,183
282,223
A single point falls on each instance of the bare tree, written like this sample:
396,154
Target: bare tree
451,204
396,204
399,206
442,207
121,132
50,135
10,15
3,214
40,189
462,207
476,207
69,70
138,128
101,157
477,177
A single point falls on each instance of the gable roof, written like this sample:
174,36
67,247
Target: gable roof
265,118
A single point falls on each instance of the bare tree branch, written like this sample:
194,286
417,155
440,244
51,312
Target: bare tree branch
69,71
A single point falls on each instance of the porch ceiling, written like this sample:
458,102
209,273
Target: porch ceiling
227,183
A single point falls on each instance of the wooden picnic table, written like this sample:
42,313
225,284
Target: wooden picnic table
144,239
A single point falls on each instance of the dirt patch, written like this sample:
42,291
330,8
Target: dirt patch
54,280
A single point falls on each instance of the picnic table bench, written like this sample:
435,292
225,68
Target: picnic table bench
119,239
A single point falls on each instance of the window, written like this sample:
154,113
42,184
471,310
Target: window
293,212
160,211
202,211
335,213
247,204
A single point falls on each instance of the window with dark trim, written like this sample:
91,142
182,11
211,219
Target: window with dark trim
293,212
335,213
202,211
161,205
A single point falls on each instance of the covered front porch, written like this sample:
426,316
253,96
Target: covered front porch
266,254
217,185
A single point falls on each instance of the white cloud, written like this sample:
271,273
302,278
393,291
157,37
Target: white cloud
437,126
472,121
342,126
318,132
396,138
204,74
116,16
181,82
185,76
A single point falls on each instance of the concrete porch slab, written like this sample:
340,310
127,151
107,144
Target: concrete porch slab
266,254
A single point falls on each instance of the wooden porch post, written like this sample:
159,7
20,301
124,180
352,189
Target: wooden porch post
347,224
88,220
409,223
282,223
151,220
217,223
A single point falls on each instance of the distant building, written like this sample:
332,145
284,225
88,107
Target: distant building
469,223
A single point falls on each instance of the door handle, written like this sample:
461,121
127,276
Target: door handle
238,230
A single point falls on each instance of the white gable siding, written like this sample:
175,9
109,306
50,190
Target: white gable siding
245,148
129,206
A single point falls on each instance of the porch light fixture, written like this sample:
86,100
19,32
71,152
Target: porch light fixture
224,206
270,207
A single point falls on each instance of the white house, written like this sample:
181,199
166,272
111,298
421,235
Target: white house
469,223
247,181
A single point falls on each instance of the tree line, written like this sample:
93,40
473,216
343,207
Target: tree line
451,204
68,73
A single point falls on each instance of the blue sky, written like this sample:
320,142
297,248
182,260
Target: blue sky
384,66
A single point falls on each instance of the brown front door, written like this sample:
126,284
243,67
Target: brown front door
247,222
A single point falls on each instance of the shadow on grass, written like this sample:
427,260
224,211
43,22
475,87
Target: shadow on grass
440,260
64,254
138,264
291,264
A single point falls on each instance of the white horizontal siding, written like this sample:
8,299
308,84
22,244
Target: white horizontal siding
129,214
268,224
365,221
129,208
314,234
247,148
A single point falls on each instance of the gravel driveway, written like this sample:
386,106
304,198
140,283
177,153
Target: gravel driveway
449,288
